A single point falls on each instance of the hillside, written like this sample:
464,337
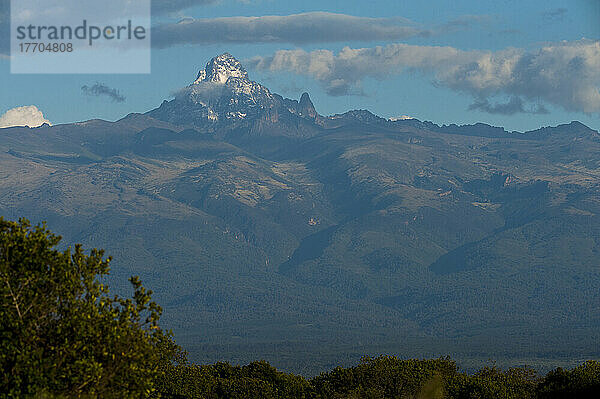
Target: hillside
269,231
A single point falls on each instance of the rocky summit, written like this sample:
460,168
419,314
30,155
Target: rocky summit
220,69
223,100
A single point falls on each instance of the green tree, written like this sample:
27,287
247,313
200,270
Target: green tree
582,381
61,334
221,380
494,383
386,377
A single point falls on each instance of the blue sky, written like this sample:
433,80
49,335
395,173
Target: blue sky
452,35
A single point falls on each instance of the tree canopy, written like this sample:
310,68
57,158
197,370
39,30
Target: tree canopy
61,332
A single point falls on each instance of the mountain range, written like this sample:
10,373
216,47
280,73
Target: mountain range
267,230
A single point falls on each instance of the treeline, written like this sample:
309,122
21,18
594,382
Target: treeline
378,378
62,335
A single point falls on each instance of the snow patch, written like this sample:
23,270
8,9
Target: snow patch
400,118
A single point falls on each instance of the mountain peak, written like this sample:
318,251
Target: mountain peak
307,109
221,68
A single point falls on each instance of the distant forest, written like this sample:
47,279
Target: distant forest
381,377
64,336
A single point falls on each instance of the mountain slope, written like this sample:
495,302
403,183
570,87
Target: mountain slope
270,231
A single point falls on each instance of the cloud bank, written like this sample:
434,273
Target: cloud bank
514,106
565,74
556,14
311,27
160,7
99,89
23,116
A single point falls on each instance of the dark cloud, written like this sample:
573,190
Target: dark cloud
99,89
556,14
160,7
312,27
566,74
514,106
463,22
510,32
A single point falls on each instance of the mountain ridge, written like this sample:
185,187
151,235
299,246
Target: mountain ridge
236,88
222,91
305,239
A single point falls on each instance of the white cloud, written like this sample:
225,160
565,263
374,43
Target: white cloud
28,115
341,73
566,74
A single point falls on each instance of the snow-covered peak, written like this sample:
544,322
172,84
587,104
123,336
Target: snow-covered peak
225,80
220,69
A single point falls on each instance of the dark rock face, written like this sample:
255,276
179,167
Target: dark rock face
307,109
223,100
